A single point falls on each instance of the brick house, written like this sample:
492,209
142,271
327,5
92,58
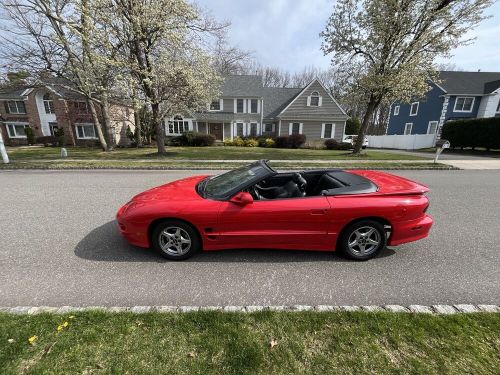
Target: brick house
45,108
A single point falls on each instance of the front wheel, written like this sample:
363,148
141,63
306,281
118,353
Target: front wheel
362,240
175,240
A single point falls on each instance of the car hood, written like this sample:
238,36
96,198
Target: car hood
389,184
180,190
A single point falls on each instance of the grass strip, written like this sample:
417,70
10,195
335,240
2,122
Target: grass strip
212,342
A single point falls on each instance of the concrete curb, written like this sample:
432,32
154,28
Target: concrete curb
416,309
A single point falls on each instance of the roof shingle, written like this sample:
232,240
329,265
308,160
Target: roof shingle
471,83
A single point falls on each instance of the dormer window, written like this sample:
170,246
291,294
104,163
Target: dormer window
314,100
48,104
216,105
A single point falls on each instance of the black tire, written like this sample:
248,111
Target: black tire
166,231
363,147
359,251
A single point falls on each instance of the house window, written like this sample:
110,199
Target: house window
432,127
81,107
464,104
408,127
85,131
253,129
314,99
327,130
17,130
240,129
268,128
396,110
295,128
16,106
414,109
216,105
498,107
177,126
48,103
53,128
253,104
240,106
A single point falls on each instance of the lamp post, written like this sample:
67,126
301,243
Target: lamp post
3,151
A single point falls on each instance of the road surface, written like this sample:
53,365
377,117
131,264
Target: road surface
59,246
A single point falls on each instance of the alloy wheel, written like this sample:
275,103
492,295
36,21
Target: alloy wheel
175,241
364,240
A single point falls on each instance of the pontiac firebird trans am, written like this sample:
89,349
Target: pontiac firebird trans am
353,211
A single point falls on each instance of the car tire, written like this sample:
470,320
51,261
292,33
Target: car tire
363,147
175,240
362,240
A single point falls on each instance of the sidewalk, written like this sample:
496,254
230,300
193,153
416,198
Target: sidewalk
473,164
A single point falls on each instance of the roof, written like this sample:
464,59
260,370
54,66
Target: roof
13,92
472,83
242,85
276,99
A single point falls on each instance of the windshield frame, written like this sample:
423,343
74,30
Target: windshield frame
268,172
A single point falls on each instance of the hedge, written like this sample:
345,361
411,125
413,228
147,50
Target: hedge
484,132
194,139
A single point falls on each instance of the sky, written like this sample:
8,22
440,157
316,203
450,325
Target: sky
285,33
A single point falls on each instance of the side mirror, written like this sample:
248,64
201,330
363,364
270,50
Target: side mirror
242,198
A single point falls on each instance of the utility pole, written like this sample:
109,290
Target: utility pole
3,151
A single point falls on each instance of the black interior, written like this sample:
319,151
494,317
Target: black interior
311,183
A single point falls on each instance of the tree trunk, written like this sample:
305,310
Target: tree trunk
107,120
97,123
370,109
137,120
160,131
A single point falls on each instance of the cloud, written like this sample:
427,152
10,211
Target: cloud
285,33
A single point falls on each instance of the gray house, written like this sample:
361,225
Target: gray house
247,109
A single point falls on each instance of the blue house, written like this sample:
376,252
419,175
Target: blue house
458,95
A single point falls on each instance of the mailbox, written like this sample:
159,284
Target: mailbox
441,144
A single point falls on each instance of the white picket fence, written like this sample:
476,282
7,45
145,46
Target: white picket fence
402,142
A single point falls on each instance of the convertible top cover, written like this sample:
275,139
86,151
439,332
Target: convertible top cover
339,182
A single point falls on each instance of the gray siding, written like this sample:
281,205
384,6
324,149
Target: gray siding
227,130
202,127
299,109
312,129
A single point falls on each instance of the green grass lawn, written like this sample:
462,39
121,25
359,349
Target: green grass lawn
199,153
240,343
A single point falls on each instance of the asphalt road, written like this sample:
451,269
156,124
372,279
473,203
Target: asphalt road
59,246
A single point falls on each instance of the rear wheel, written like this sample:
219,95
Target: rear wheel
362,240
175,240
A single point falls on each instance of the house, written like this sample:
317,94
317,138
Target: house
247,109
458,95
48,107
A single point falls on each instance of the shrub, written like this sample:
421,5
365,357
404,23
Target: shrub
484,132
48,140
269,142
282,142
331,144
228,142
239,142
30,136
250,142
193,139
296,140
352,125
59,135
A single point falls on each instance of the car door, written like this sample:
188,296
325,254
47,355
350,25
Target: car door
293,223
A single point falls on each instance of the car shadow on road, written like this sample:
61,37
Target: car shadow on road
105,243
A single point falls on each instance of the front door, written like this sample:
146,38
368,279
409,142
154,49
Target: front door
216,130
294,223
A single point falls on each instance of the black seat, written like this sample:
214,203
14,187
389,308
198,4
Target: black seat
326,182
295,188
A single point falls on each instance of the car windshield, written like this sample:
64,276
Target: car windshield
222,185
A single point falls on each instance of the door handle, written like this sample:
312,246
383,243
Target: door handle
318,212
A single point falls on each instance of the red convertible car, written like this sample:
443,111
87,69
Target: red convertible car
353,211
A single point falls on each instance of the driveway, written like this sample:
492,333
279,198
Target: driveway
59,246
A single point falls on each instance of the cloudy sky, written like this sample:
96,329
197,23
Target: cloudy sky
284,33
